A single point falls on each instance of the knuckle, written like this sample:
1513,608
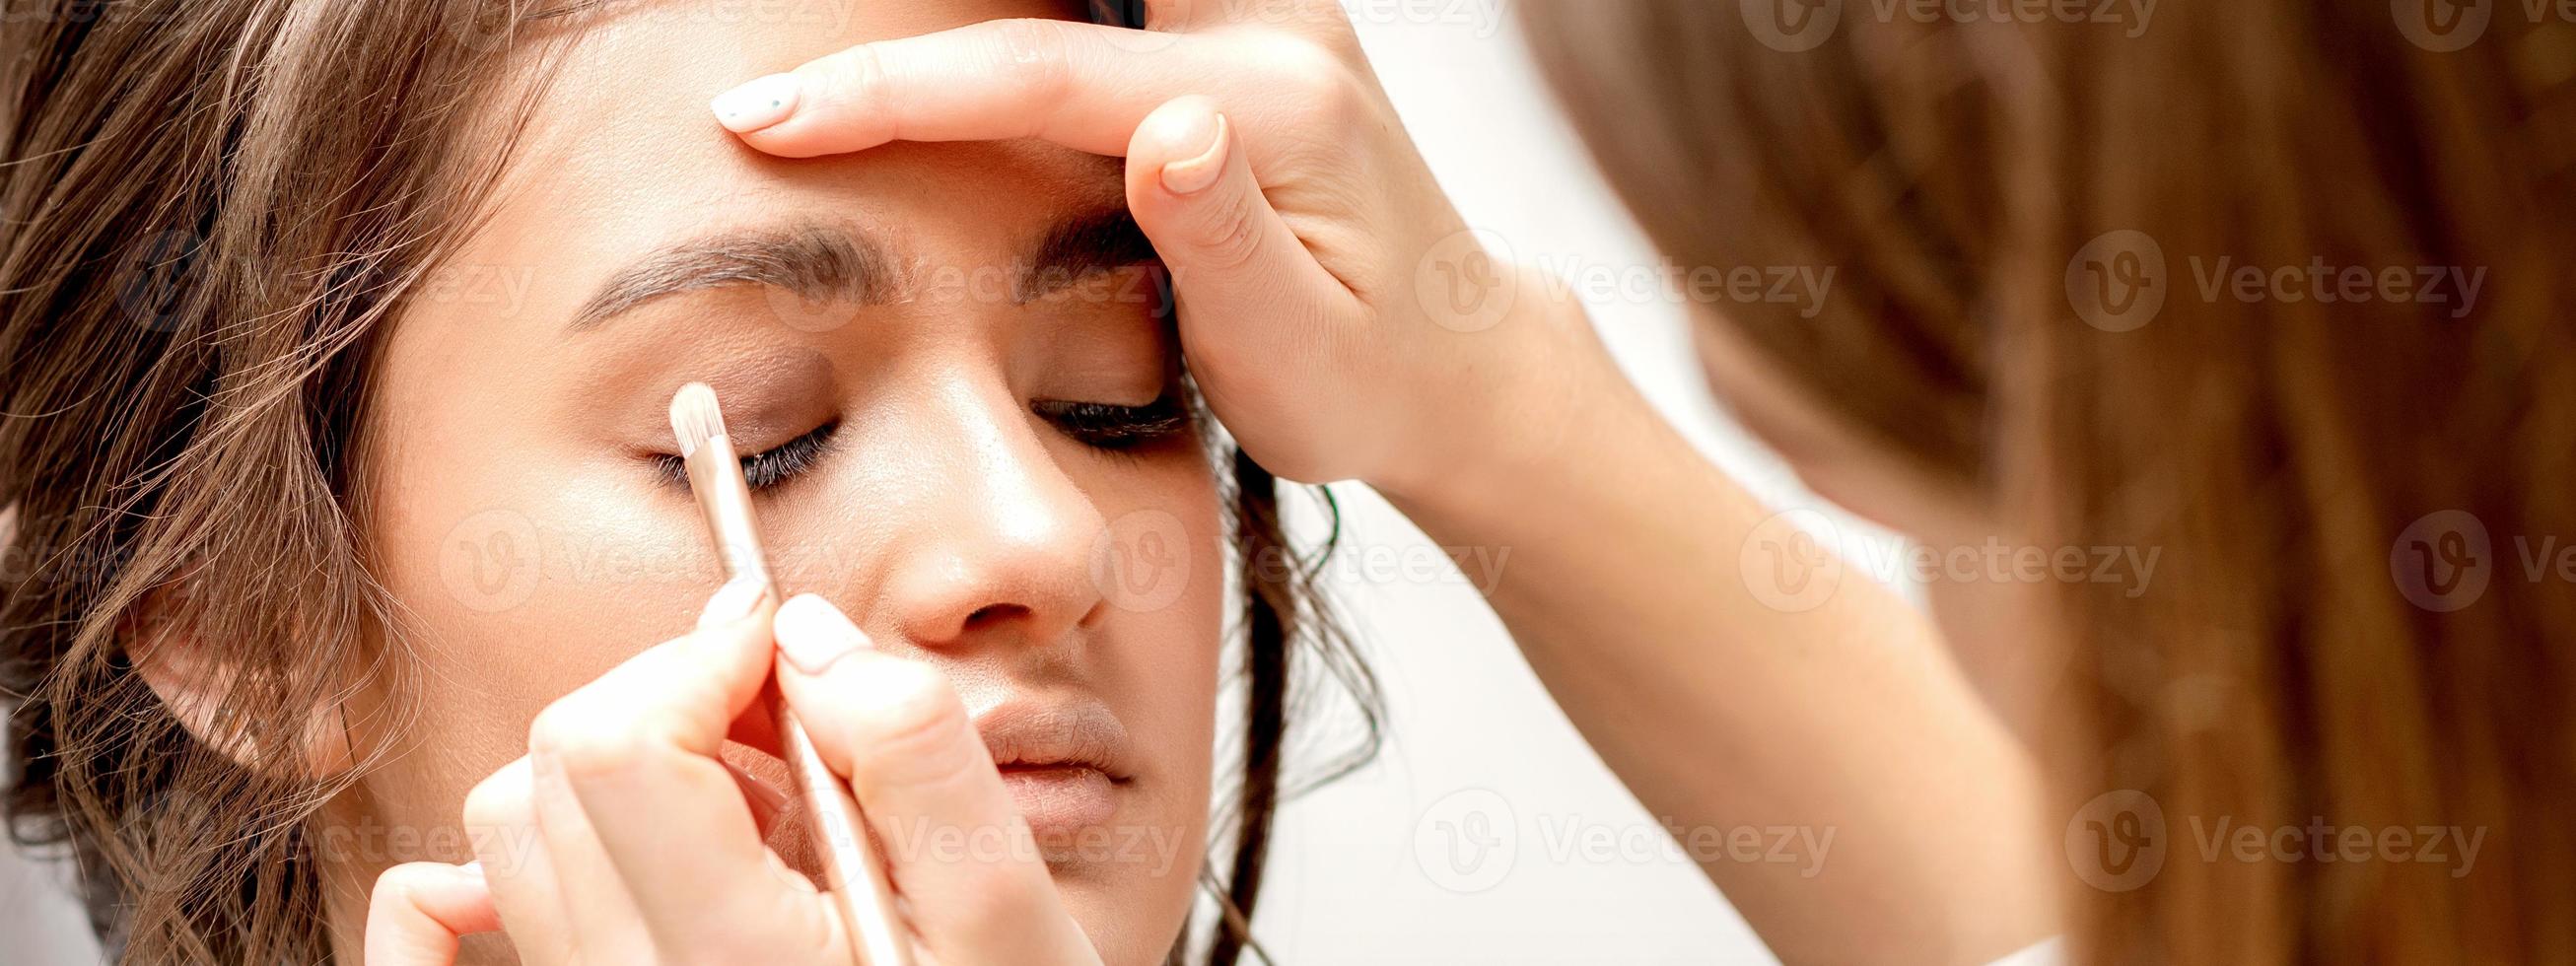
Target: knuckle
851,77
393,886
1033,54
498,800
1229,233
1319,80
585,743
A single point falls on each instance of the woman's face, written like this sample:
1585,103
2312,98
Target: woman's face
960,367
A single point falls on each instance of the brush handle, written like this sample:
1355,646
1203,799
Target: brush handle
855,879
850,868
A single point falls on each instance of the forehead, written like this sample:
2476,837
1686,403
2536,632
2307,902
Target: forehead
618,151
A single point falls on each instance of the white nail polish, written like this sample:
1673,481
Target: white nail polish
758,103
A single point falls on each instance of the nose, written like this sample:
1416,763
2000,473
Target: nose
1001,547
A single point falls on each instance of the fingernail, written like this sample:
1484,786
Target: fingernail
1194,175
758,103
732,602
814,634
471,870
773,798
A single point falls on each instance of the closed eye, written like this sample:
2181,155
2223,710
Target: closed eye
767,468
1113,427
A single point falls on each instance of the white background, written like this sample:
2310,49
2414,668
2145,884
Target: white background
1472,734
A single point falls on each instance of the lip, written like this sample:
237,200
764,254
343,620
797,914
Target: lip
1064,762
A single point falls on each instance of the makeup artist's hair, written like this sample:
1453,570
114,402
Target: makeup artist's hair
208,211
2287,662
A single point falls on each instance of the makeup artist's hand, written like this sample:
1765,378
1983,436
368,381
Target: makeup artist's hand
1341,319
622,837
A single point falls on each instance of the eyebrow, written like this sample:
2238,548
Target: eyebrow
812,261
820,263
1089,244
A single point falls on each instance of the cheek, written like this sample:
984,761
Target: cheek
521,573
1161,567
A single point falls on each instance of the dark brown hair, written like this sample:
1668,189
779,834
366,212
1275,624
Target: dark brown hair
1965,178
209,210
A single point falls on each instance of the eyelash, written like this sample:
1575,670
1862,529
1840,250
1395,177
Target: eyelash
768,468
1101,426
1117,428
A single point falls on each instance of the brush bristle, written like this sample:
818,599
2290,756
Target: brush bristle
695,417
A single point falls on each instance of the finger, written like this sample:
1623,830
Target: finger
767,802
420,909
646,800
500,815
956,845
1080,85
601,917
1192,190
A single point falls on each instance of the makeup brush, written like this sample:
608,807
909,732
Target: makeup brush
850,867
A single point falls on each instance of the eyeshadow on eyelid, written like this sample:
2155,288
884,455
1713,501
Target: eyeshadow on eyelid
769,394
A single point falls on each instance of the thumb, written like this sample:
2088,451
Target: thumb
955,844
419,909
1194,192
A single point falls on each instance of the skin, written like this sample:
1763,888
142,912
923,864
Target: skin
1983,623
950,521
